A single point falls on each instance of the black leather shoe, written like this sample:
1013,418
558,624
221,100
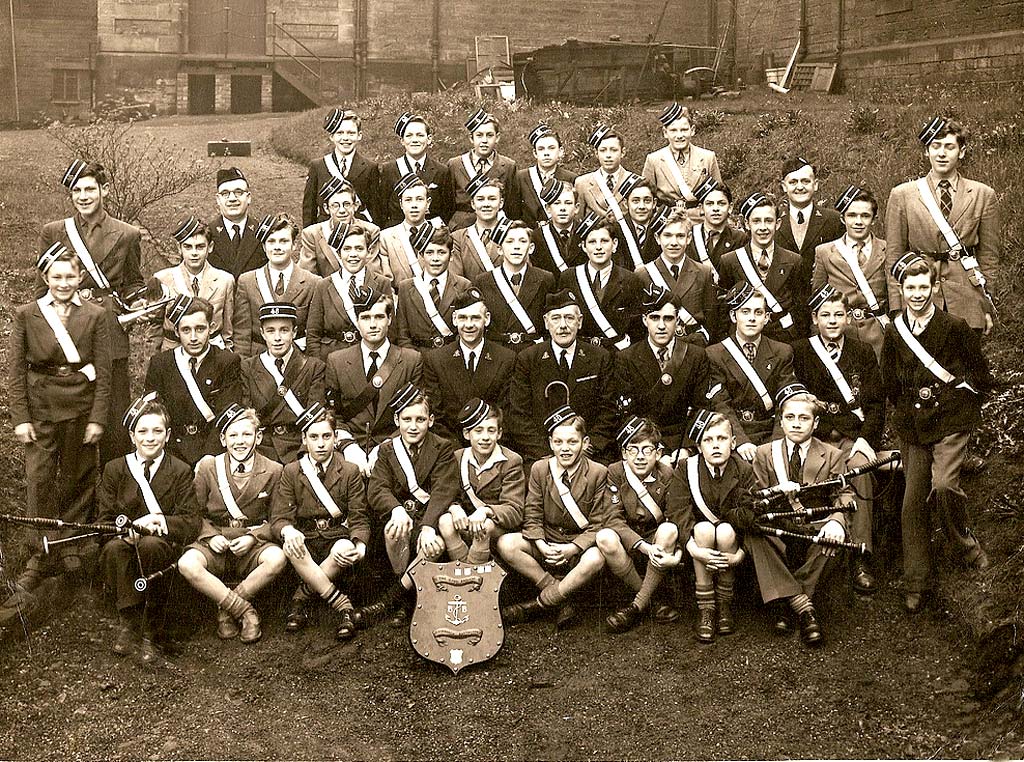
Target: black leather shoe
518,613
783,623
624,620
863,579
297,618
376,611
566,616
706,626
346,627
663,613
726,625
810,630
912,602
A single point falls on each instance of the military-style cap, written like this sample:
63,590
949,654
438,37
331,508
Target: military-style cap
556,300
899,269
187,228
477,119
827,293
670,113
558,417
660,220
934,129
542,130
629,430
478,182
410,180
551,190
229,415
229,175
655,297
333,186
788,391
176,309
629,183
794,164
315,412
338,235
475,412
334,118
48,257
72,173
272,310
404,120
404,397
363,299
584,226
134,411
600,132
751,202
501,229
266,225
707,186
738,295
698,423
420,236
466,298
846,198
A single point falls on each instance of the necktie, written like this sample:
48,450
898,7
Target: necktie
414,451
471,362
279,288
763,263
517,282
485,236
795,467
711,241
859,248
833,350
641,236
63,311
597,286
946,198
195,286
236,232
147,466
279,362
320,471
563,360
610,182
799,217
566,481
674,269
419,168
663,357
240,469
481,166
750,351
193,365
564,236
716,472
435,293
352,286
372,370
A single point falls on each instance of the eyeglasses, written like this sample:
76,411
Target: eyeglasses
647,450
231,193
334,206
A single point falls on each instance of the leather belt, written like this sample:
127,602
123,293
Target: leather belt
433,343
950,256
515,337
60,371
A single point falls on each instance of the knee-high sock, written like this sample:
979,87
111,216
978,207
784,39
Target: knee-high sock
723,586
552,595
457,548
302,592
547,580
652,578
801,603
336,599
623,568
705,596
479,550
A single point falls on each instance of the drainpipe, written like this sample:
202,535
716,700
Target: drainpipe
802,53
361,46
435,46
14,64
840,23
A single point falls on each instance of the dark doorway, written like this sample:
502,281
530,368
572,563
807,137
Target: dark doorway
227,27
245,93
201,93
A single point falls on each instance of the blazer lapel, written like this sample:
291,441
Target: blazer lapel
876,261
962,201
387,373
814,464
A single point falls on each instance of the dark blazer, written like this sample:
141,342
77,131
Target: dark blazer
362,409
537,284
823,461
305,377
730,239
619,303
649,251
363,175
115,247
860,368
949,410
824,225
295,504
254,499
436,472
502,168
783,281
119,494
219,382
570,250
502,488
590,393
627,515
531,208
328,326
773,363
641,390
695,290
246,255
451,386
545,517
729,497
434,175
413,327
248,300
37,396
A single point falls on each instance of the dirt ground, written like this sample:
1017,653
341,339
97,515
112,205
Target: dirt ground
883,685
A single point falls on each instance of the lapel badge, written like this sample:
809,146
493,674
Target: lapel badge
209,381
282,390
666,379
377,382
767,366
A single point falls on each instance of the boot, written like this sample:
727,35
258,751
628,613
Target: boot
726,626
124,639
624,619
376,611
566,616
227,627
346,627
518,613
239,608
297,618
706,625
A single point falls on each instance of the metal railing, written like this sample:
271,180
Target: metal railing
315,68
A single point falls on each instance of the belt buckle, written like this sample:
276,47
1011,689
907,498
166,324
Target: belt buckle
858,313
280,429
515,338
235,523
925,393
192,429
954,255
322,524
62,371
437,341
833,408
349,337
747,415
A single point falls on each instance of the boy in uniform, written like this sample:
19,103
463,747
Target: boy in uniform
197,278
936,376
680,167
317,253
281,382
775,272
345,129
749,369
471,367
713,236
514,292
154,490
320,518
59,381
473,250
415,134
235,490
556,246
280,281
236,249
193,380
109,253
482,159
637,234
493,487
711,492
599,191
548,154
798,458
854,264
331,323
397,253
638,527
567,501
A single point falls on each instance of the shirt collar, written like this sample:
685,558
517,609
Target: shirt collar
83,224
287,272
287,358
604,272
933,181
228,223
925,319
509,273
442,280
248,462
467,349
382,351
496,457
850,244
740,342
189,276
557,350
803,449
711,469
156,462
840,342
199,359
572,471
669,264
756,252
655,348
49,299
807,210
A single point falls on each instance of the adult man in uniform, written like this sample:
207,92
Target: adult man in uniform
345,129
235,247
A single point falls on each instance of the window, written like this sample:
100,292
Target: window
68,85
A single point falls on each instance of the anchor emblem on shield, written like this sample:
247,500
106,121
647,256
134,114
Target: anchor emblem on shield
458,612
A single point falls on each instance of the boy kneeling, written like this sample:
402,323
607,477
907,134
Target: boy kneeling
566,503
235,489
492,484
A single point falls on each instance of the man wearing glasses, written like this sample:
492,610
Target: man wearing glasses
235,248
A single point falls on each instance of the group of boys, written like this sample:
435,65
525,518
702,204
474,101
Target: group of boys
572,372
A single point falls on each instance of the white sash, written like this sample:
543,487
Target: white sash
538,186
326,230
224,485
289,396
780,463
595,309
331,162
181,360
850,257
410,255
405,462
631,244
837,375
480,248
754,278
83,253
609,197
970,264
346,300
306,464
924,355
701,245
748,371
467,486
556,253
64,340
568,501
677,176
638,487
432,313
659,280
263,285
467,163
135,469
693,481
404,170
502,282
180,284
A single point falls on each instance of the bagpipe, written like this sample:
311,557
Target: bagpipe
770,495
154,296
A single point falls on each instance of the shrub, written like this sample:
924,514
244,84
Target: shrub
863,120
